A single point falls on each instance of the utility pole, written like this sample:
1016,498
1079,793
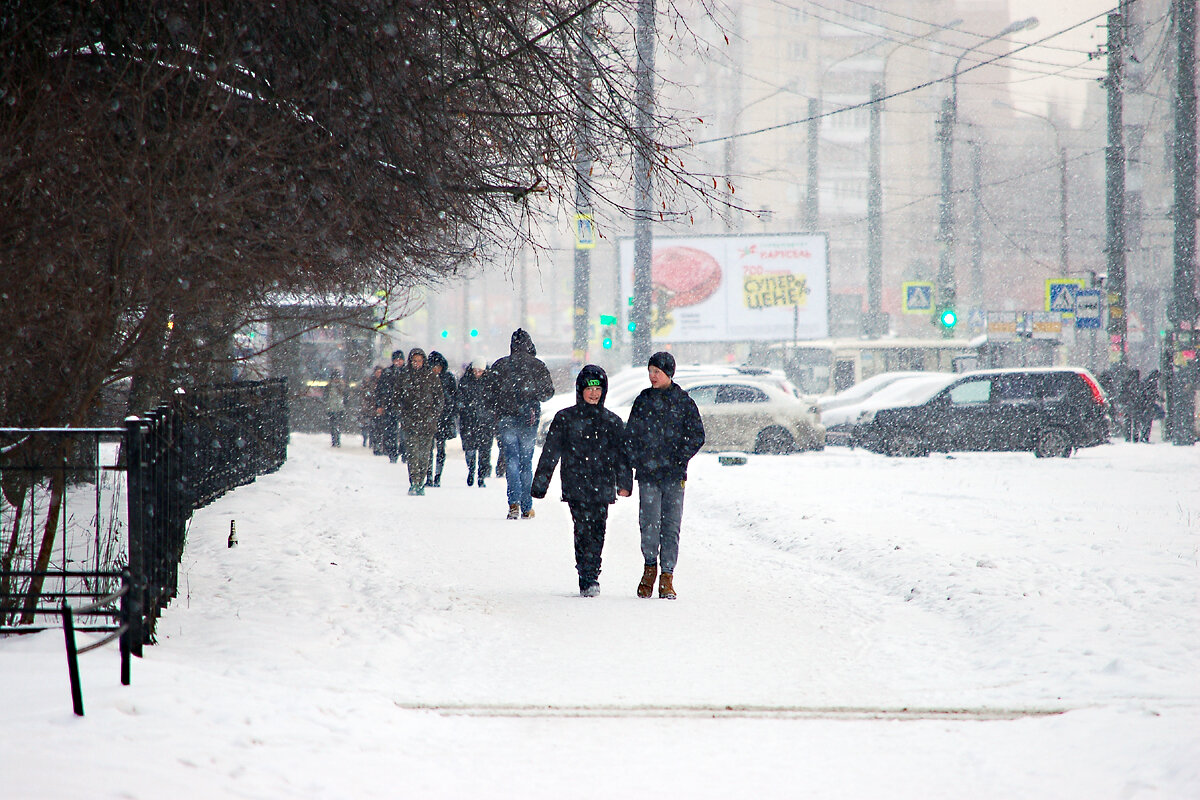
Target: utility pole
977,226
946,288
583,195
1182,310
643,233
876,323
812,207
1114,173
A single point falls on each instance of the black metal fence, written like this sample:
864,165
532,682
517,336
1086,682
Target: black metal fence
78,506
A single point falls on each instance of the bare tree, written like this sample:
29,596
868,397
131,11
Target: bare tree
169,167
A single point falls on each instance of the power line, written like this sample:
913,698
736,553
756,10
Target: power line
890,96
876,27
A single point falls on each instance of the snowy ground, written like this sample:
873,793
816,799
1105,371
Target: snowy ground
848,626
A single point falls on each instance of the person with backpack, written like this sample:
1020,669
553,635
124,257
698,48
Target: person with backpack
518,384
589,441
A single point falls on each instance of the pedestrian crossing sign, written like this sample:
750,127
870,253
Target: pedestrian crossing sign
918,297
585,232
1060,295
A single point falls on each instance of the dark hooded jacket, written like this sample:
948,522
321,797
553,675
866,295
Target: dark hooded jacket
476,419
420,397
446,425
664,431
589,440
519,383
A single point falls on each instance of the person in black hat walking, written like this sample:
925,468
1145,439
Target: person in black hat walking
589,440
662,435
387,407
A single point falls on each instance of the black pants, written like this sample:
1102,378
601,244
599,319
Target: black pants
335,428
389,435
590,522
481,458
437,460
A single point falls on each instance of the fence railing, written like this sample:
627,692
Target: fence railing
80,505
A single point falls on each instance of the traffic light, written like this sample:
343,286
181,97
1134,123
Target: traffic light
474,333
607,343
947,317
445,334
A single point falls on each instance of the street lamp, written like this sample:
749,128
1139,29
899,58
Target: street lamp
876,323
946,288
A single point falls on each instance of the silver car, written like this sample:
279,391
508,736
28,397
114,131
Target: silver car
751,414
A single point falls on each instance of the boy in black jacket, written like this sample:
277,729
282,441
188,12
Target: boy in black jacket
589,439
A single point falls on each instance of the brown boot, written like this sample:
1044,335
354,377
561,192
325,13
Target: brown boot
647,584
665,590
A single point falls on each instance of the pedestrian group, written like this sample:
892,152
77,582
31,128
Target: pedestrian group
410,409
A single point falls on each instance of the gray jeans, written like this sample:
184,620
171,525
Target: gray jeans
660,510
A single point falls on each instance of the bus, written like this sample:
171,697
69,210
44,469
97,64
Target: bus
827,366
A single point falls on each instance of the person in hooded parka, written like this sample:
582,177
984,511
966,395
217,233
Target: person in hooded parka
518,384
477,424
421,401
588,439
447,427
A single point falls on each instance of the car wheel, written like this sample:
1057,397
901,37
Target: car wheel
1052,443
774,440
906,445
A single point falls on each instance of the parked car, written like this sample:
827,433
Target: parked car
1049,410
626,385
860,391
749,413
842,424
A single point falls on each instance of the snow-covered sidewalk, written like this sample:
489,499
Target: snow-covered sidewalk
986,626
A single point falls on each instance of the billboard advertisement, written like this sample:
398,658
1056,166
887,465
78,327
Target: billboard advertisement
767,287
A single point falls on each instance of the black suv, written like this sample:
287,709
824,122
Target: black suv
1051,411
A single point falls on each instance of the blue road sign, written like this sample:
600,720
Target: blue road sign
918,297
1087,309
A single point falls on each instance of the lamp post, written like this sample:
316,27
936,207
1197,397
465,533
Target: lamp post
876,322
946,286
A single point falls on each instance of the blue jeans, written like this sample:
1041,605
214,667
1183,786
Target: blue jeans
518,442
660,511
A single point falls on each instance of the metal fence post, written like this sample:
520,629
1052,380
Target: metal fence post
72,659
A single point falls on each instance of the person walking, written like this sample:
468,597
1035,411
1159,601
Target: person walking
447,423
421,401
476,424
387,407
662,435
366,411
590,442
335,406
518,385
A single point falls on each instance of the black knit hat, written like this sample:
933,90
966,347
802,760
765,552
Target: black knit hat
397,355
664,361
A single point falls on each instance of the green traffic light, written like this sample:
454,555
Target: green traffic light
632,327
445,334
948,318
607,343
474,332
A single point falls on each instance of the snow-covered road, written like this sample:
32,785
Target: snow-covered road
986,625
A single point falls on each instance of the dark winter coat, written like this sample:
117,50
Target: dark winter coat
664,431
476,420
421,398
520,382
387,389
589,440
446,425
